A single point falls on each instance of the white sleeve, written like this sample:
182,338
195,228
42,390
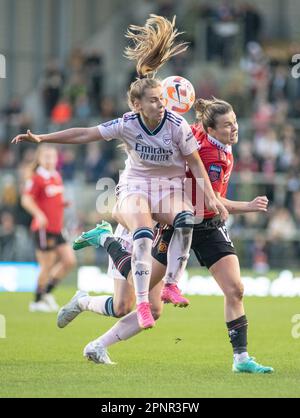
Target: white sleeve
186,141
112,129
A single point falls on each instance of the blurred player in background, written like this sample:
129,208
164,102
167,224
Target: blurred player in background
158,144
216,130
43,199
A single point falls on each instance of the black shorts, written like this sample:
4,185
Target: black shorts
45,241
209,243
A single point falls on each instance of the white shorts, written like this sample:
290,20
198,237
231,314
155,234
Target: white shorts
153,189
125,238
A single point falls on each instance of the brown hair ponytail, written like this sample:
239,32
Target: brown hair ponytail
208,110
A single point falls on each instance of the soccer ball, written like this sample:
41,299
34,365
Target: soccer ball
178,93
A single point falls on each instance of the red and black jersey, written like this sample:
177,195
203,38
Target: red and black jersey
218,161
46,188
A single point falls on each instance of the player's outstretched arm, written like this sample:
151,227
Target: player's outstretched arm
259,204
68,136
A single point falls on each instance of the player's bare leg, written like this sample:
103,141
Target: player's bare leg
45,259
66,262
226,272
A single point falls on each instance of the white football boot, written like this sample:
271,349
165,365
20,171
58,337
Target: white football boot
40,306
72,309
97,353
50,300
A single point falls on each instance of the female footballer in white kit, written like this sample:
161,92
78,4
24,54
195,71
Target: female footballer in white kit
211,245
158,143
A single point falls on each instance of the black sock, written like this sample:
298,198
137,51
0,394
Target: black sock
38,294
237,331
51,285
120,257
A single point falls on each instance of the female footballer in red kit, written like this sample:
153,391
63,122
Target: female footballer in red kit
43,199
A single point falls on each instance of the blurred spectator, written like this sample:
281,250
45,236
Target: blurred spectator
296,214
108,108
255,63
288,141
93,68
82,108
226,29
51,86
15,245
267,145
75,88
252,22
293,182
235,92
14,118
296,209
246,162
7,157
61,113
76,61
207,87
295,99
166,8
95,163
9,195
280,113
281,226
260,262
280,231
278,87
68,164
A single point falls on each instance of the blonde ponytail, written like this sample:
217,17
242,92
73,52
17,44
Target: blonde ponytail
153,45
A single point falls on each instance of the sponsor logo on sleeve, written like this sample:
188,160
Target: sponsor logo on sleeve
110,123
190,136
214,172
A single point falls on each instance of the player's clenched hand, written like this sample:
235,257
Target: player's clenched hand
259,204
28,137
214,205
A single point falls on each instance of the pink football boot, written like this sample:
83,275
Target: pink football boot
172,294
144,315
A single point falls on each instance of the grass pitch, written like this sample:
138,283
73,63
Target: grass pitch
187,354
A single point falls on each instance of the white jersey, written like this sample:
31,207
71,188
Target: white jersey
159,153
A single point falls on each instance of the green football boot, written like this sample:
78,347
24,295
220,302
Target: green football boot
250,366
92,237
